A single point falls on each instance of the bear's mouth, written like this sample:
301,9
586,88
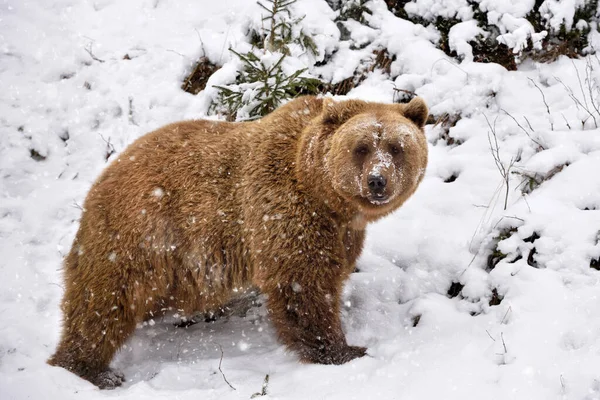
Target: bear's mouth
378,198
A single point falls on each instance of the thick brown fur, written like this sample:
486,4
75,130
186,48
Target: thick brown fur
198,210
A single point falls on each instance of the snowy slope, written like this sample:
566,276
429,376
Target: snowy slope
69,99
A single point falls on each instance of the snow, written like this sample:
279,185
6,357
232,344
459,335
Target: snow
560,12
516,8
461,34
430,9
518,32
541,342
158,193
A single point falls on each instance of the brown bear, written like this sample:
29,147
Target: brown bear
196,211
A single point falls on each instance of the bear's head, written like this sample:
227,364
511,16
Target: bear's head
376,154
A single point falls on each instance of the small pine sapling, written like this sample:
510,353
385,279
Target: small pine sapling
262,85
262,88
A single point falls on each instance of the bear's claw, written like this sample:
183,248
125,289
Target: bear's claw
108,379
336,356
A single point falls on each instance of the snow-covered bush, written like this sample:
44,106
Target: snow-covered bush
506,32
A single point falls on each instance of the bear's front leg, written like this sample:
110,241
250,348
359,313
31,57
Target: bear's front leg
306,316
304,282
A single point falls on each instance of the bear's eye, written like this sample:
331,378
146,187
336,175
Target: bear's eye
361,150
395,150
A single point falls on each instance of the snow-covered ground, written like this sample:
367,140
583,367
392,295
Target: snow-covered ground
69,98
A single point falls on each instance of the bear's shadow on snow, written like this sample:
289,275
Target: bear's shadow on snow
161,344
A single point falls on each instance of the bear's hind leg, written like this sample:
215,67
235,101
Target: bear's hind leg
97,321
87,358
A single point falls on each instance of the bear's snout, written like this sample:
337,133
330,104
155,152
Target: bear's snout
377,184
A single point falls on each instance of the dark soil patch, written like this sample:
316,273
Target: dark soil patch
451,178
496,298
33,153
195,82
455,289
415,320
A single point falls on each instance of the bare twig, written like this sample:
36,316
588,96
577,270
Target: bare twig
504,355
263,391
88,49
485,218
545,103
589,68
201,43
498,222
495,149
491,337
110,149
176,52
540,146
405,91
580,83
526,202
566,122
514,217
506,315
131,112
453,64
578,103
220,370
396,90
528,123
224,43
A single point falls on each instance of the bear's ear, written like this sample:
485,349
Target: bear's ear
416,110
338,112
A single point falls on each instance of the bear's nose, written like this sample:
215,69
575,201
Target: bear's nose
376,183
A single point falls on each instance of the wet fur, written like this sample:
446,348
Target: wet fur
198,210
